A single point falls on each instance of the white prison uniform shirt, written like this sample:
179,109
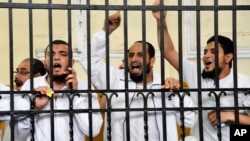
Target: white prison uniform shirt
4,103
61,120
116,80
190,76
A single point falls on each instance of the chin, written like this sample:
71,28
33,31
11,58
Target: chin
209,70
57,73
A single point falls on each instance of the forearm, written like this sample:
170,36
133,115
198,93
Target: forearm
168,44
165,42
243,119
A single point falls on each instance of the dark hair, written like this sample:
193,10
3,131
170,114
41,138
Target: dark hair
38,67
151,49
57,42
226,44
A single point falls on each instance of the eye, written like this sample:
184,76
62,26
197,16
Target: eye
22,72
64,54
205,52
130,55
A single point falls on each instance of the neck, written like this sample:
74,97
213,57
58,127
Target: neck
149,78
56,85
225,72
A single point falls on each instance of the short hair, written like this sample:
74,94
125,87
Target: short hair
37,65
151,49
57,42
226,44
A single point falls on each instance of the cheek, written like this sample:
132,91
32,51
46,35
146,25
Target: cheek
47,63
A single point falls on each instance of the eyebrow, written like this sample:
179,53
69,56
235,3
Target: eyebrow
21,69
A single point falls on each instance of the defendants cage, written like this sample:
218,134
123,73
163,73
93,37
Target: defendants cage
28,26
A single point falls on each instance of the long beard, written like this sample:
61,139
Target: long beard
139,78
210,74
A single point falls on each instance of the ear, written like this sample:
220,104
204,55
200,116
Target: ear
44,63
229,57
152,62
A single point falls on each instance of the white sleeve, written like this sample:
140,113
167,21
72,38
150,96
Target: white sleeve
98,67
82,119
22,103
189,116
190,73
5,106
22,128
5,101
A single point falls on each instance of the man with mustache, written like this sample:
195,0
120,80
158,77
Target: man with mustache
132,91
23,73
61,86
208,77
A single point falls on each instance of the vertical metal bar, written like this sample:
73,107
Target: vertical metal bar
143,18
216,29
199,91
107,65
234,21
180,31
164,120
180,41
144,50
89,69
31,68
107,44
11,60
71,113
69,17
50,14
162,64
125,15
31,45
125,48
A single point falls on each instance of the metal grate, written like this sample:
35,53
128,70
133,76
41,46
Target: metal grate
145,93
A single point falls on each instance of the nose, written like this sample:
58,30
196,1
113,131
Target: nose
16,75
56,56
207,54
134,58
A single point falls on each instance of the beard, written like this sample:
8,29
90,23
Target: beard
59,78
18,83
139,78
210,74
